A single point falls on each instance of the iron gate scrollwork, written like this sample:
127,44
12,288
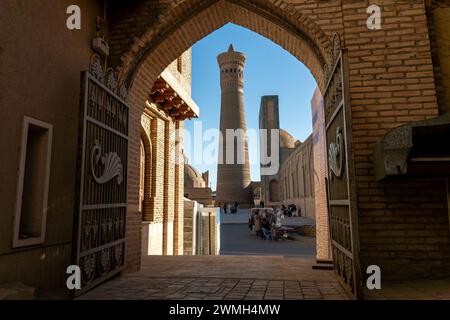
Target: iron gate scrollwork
102,178
342,212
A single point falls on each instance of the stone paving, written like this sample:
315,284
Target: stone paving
222,278
284,272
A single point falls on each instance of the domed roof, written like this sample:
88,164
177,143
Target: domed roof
287,140
192,178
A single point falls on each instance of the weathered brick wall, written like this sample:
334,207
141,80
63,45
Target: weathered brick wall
320,168
391,83
269,118
297,179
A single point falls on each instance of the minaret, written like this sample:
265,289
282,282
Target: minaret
233,180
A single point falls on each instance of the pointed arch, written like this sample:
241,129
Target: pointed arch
146,176
185,22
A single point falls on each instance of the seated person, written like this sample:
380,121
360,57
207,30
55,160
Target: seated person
285,210
271,219
266,230
257,221
279,219
295,212
251,220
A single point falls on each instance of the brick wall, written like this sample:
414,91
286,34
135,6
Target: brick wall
297,179
269,118
392,83
320,169
159,168
404,228
183,77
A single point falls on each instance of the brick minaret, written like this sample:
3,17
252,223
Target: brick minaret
233,180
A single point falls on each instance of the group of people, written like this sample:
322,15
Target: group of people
265,223
229,208
290,211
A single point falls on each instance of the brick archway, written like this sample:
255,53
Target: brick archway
185,22
180,25
273,189
391,83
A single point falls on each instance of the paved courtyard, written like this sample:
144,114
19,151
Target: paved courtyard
222,278
236,239
250,269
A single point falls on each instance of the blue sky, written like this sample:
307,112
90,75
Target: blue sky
269,70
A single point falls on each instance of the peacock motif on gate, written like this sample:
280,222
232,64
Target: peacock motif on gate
336,154
111,163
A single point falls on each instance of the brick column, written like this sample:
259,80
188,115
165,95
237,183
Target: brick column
179,191
169,187
158,165
134,217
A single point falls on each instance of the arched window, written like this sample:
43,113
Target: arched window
145,177
307,180
274,190
142,178
293,186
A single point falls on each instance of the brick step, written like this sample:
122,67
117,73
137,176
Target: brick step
323,265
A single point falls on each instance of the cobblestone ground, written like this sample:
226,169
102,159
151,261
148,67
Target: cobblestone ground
223,278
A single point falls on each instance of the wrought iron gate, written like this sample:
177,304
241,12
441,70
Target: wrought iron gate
102,178
341,179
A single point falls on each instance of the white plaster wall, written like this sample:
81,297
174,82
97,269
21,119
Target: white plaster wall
152,238
169,238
